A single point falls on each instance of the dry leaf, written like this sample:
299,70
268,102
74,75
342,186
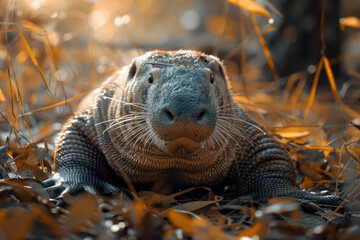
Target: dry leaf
293,132
18,224
80,213
352,22
251,6
259,228
356,123
200,228
180,220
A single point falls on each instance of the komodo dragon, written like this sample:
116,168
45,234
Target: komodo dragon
170,115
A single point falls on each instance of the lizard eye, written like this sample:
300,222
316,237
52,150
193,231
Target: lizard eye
151,78
212,78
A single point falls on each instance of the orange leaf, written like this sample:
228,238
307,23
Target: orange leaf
80,213
180,220
140,208
206,230
293,132
199,228
18,224
251,6
34,60
2,98
313,88
331,78
317,147
258,228
307,183
352,22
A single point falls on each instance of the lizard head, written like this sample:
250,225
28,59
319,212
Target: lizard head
180,94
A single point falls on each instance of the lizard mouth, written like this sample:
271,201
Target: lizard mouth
182,146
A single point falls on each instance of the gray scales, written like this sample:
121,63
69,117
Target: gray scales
170,115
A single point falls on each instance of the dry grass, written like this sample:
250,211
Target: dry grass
51,57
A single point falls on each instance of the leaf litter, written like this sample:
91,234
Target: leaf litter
326,150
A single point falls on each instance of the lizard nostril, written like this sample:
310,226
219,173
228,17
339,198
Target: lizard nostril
201,115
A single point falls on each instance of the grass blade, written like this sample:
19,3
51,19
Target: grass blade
32,26
16,30
297,92
10,84
331,78
264,47
34,60
27,127
274,9
56,104
313,88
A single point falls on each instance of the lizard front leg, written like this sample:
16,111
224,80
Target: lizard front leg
264,170
80,164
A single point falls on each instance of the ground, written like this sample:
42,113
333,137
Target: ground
49,61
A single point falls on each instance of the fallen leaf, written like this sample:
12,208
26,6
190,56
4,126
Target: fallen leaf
356,123
259,228
80,213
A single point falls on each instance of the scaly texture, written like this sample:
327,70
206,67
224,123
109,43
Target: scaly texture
122,134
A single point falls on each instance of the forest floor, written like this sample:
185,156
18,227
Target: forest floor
44,77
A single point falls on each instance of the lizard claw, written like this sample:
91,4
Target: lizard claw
309,206
331,200
311,202
57,187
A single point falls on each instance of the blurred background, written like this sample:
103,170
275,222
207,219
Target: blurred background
54,50
293,66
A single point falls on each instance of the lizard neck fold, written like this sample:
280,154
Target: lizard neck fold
143,161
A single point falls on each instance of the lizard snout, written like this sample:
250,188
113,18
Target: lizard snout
184,118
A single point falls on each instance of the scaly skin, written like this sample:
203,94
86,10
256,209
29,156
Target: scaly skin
94,153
